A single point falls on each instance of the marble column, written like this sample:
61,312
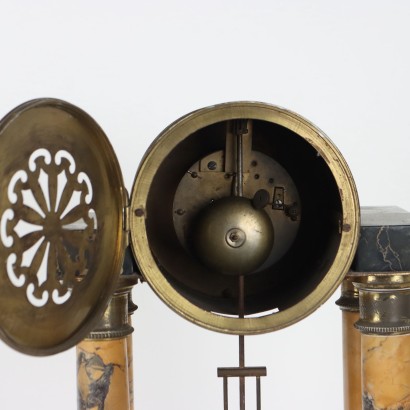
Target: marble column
386,372
132,307
349,304
351,362
385,342
102,375
102,358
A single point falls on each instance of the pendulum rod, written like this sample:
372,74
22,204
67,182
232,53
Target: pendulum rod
237,153
240,128
239,164
242,342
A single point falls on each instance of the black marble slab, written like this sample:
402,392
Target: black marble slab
384,244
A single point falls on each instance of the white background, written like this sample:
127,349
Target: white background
136,66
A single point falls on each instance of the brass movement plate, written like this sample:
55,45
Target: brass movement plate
189,196
61,226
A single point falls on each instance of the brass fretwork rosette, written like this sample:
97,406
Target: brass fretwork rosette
61,226
224,174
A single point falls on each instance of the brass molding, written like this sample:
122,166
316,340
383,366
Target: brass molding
349,299
384,304
114,323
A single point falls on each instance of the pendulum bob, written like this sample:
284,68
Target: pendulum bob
102,358
382,249
285,216
62,235
349,304
385,327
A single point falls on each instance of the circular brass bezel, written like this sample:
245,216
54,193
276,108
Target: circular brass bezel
56,125
175,134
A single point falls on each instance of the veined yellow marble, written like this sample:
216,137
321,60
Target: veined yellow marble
130,356
351,362
386,372
102,375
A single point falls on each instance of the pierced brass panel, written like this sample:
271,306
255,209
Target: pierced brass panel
61,225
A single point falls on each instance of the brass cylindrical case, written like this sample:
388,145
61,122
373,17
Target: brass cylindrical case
191,166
